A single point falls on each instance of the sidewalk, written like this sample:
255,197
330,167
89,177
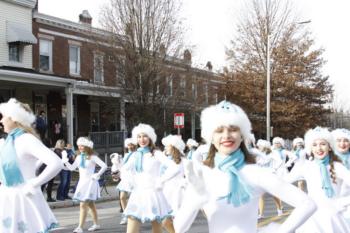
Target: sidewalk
110,194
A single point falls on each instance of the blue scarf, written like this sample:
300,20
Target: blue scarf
82,160
239,191
190,154
344,158
10,174
297,153
139,158
279,150
326,180
127,157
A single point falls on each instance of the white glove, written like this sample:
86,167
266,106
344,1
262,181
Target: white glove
29,189
116,161
95,176
64,157
195,178
114,168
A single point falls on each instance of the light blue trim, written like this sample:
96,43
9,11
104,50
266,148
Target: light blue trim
52,226
87,200
122,190
156,218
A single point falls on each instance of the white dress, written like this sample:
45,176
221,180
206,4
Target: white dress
173,188
21,213
126,178
326,219
224,217
147,201
88,189
344,192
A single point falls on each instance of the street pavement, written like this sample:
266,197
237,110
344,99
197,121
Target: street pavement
67,215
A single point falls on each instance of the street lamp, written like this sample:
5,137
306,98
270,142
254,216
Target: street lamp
268,83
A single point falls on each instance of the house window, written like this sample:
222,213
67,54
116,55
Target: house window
98,68
45,55
169,83
183,87
15,52
74,59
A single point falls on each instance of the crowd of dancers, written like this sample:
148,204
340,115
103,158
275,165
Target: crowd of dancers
226,178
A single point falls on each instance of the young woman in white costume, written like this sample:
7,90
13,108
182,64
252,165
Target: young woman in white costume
192,146
279,164
23,207
174,180
229,185
324,176
298,150
126,183
88,188
342,150
147,202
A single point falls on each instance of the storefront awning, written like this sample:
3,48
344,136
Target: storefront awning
20,34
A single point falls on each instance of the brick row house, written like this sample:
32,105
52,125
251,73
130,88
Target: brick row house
61,70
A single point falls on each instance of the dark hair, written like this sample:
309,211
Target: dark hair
248,158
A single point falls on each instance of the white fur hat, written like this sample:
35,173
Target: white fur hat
318,133
224,114
341,133
175,141
298,140
146,129
279,140
192,142
13,109
84,141
263,143
129,141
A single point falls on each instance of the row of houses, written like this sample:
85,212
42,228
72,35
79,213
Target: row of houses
55,66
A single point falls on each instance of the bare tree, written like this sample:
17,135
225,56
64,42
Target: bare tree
299,91
146,39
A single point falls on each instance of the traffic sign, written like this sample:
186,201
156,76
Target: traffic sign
179,120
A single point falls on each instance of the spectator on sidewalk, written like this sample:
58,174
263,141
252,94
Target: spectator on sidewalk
71,157
64,174
41,125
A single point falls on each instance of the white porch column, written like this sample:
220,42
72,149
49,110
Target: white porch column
70,112
193,124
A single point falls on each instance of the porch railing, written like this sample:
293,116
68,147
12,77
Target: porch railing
107,139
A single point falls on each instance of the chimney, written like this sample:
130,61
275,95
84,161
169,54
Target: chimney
209,66
85,17
187,56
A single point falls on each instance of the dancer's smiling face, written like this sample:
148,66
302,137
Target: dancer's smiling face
320,148
143,140
227,139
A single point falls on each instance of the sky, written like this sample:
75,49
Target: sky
211,23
